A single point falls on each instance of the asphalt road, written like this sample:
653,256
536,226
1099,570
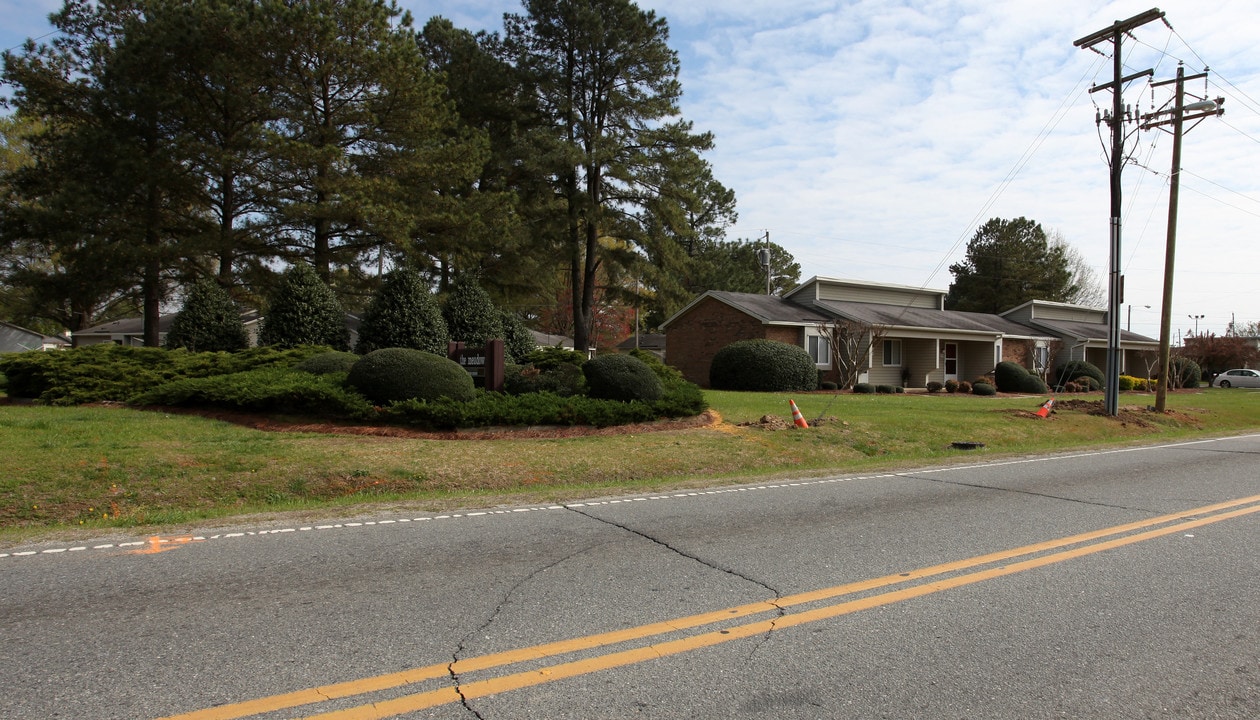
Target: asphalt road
1117,584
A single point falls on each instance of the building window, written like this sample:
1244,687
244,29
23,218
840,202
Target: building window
1041,359
892,353
819,348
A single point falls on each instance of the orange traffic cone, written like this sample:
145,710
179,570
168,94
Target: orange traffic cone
1046,407
797,418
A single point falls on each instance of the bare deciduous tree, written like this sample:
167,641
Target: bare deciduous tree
850,344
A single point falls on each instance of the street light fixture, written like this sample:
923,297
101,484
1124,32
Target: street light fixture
1128,326
1196,319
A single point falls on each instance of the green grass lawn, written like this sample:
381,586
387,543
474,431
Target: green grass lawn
101,467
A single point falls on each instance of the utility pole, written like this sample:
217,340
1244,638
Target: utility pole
763,255
1197,111
1116,119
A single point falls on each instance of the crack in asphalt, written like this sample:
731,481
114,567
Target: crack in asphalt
980,486
695,558
494,614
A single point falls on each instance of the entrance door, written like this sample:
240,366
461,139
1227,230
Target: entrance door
951,361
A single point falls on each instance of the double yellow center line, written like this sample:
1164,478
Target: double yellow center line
999,565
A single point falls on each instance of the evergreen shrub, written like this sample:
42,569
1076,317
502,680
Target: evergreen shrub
398,374
269,389
764,366
304,311
470,314
115,373
935,387
564,380
403,314
335,361
1015,378
546,358
864,389
208,321
1184,373
983,388
621,377
1074,370
518,341
951,386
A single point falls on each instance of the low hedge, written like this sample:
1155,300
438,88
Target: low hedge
272,389
544,408
114,373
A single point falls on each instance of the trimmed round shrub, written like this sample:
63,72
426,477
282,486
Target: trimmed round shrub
828,385
981,388
208,321
964,387
951,386
304,311
1074,370
621,377
1184,373
403,314
764,366
470,314
329,362
1013,377
884,389
935,387
398,374
1009,376
518,341
864,389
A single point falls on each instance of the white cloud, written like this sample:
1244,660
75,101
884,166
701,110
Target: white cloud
870,137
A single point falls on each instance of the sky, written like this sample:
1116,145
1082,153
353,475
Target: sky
871,138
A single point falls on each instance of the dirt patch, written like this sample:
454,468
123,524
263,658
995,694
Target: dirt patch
307,425
774,422
1141,417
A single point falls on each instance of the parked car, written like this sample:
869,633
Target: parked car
1238,378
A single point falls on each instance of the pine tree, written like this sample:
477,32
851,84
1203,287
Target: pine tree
1008,263
607,87
403,314
304,311
208,321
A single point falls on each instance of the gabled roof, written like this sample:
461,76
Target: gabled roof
1089,331
646,341
822,280
903,317
769,309
12,332
543,339
126,326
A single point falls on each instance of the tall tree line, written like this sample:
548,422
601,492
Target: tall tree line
163,141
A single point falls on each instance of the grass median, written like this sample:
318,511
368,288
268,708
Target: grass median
111,467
